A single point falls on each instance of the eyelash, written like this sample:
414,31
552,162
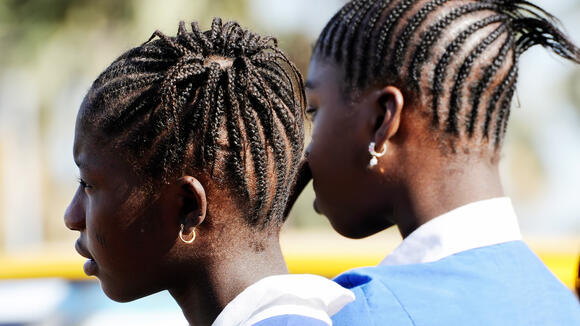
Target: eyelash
311,112
83,183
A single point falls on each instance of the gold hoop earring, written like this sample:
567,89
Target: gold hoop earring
181,235
374,160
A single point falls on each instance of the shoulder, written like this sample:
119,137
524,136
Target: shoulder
286,300
376,302
291,320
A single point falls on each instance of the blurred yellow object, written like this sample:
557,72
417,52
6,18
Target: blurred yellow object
319,253
564,266
41,264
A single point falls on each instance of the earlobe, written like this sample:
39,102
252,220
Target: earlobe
194,204
391,103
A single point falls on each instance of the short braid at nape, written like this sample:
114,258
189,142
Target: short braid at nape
457,58
225,102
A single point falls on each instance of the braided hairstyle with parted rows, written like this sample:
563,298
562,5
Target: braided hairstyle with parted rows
226,102
459,58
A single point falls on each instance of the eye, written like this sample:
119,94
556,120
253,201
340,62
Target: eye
83,183
311,112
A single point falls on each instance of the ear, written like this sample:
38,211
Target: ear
390,102
194,203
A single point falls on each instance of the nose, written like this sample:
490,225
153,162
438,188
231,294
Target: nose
74,215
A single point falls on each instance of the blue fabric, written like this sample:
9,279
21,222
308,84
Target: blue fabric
291,320
504,284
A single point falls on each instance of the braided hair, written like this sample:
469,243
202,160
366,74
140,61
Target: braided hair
226,102
458,58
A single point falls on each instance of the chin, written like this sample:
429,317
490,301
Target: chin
123,295
352,233
118,296
358,228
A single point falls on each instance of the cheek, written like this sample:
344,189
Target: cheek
337,147
332,163
98,228
324,157
107,225
339,160
329,142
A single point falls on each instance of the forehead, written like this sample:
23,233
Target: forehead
86,151
92,154
85,138
323,76
90,144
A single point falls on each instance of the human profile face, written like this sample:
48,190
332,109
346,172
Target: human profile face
124,233
353,197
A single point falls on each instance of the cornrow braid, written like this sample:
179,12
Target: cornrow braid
371,41
478,89
350,49
403,39
216,101
364,67
341,33
433,33
455,46
494,99
464,73
386,30
509,85
235,138
504,113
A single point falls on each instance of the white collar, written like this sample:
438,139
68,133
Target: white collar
306,295
475,225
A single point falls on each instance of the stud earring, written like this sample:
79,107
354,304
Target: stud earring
181,235
374,160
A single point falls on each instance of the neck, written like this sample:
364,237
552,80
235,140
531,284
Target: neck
442,187
225,275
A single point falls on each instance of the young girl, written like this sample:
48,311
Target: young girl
424,90
186,148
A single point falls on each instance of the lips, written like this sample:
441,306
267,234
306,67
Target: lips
90,266
81,250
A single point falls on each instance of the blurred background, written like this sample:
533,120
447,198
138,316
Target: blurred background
50,52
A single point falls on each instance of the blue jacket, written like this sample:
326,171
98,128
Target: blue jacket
504,284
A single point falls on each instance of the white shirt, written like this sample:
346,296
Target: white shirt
475,225
299,294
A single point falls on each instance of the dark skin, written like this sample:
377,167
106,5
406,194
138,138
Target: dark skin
578,281
129,232
414,182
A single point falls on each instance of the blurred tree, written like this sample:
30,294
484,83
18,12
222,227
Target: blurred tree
298,47
229,7
26,25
